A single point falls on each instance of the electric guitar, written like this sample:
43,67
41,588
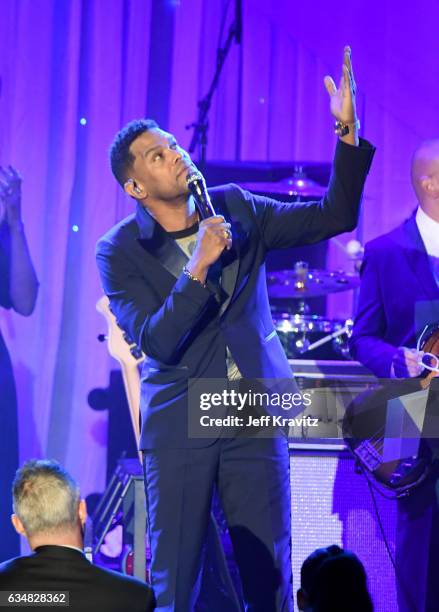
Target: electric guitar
368,415
129,356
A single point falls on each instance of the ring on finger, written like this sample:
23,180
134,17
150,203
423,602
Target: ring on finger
227,234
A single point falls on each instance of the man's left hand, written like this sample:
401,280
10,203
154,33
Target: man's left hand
342,100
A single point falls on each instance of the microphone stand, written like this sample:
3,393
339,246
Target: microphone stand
201,125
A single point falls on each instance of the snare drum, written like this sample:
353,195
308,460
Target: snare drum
297,332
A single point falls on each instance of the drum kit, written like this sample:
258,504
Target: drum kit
301,332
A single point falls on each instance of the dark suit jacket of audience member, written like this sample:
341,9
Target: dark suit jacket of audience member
58,568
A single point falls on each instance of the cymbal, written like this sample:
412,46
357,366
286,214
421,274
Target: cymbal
307,282
293,186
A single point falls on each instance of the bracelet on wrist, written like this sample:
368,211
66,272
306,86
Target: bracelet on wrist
193,277
343,129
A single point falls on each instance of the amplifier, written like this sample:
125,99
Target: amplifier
332,385
331,370
331,504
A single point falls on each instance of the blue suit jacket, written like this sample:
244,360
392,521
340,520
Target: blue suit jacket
180,326
398,297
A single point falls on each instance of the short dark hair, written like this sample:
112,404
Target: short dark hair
121,158
335,579
313,563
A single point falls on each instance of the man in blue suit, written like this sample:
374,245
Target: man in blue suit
193,295
399,297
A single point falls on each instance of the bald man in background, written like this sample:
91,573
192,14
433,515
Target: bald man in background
399,296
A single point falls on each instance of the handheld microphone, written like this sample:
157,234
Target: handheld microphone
197,186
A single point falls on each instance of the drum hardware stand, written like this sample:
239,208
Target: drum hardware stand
302,344
124,494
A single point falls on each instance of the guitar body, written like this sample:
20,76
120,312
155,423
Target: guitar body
364,430
129,356
432,345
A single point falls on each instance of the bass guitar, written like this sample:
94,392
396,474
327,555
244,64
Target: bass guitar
369,425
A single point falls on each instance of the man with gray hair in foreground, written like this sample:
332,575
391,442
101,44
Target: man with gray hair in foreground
50,513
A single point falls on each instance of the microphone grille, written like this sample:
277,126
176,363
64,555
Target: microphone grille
193,177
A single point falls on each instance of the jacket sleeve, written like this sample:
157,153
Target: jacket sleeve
367,344
284,225
160,328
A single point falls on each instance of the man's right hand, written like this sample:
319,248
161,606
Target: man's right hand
405,363
10,197
214,236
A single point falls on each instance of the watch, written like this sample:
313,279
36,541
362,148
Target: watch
343,129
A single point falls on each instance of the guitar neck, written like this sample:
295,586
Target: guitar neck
124,352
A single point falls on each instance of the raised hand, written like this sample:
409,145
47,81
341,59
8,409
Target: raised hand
342,100
23,280
10,196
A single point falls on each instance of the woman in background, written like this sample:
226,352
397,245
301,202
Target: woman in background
18,290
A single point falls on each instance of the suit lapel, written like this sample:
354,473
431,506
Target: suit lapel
155,240
230,260
229,274
418,259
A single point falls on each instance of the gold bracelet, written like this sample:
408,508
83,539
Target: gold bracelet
192,277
